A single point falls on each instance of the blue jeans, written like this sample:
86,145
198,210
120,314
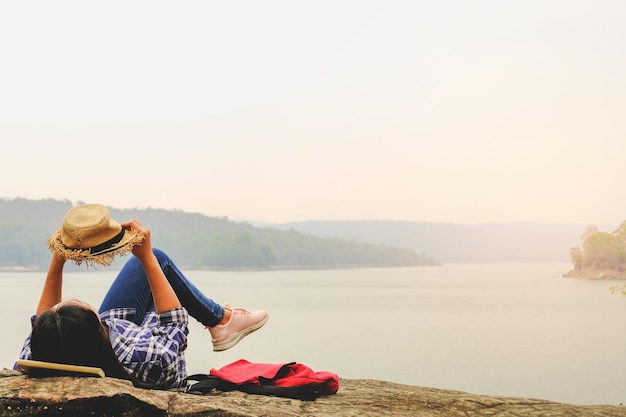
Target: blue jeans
132,289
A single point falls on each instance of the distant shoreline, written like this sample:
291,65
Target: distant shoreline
238,269
17,269
596,274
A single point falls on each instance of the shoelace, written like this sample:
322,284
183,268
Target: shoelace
237,310
233,310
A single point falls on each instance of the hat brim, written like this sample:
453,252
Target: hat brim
105,257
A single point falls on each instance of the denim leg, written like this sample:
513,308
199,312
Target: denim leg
132,275
199,306
130,289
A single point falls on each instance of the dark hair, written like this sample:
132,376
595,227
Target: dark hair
74,335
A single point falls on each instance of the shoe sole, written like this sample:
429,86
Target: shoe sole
236,337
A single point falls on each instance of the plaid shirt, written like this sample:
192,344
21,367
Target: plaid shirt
152,352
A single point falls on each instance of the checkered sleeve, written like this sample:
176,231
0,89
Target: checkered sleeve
25,353
154,351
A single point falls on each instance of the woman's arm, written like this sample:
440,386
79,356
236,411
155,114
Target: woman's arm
162,292
52,289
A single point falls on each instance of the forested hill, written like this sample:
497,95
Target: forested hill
195,241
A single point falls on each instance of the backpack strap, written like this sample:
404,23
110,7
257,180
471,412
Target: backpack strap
206,383
297,393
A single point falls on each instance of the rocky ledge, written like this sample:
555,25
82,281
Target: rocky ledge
100,397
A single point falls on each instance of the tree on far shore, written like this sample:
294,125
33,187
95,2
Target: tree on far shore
601,252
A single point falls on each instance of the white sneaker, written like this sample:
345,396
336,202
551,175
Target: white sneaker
241,324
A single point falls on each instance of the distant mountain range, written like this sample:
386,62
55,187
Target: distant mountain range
195,241
200,241
451,243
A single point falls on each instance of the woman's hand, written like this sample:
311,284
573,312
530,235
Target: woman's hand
144,250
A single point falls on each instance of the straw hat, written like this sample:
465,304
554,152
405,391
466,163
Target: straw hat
90,235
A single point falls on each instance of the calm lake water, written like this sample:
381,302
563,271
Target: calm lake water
498,329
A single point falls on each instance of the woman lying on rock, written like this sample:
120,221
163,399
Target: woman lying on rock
140,331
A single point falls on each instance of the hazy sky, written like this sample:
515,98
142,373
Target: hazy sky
446,111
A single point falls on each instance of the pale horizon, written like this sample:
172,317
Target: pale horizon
449,112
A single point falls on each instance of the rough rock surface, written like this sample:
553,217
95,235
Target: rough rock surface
100,397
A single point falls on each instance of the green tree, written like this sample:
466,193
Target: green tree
577,258
601,251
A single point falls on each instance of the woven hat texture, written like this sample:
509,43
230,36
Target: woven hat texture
89,234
